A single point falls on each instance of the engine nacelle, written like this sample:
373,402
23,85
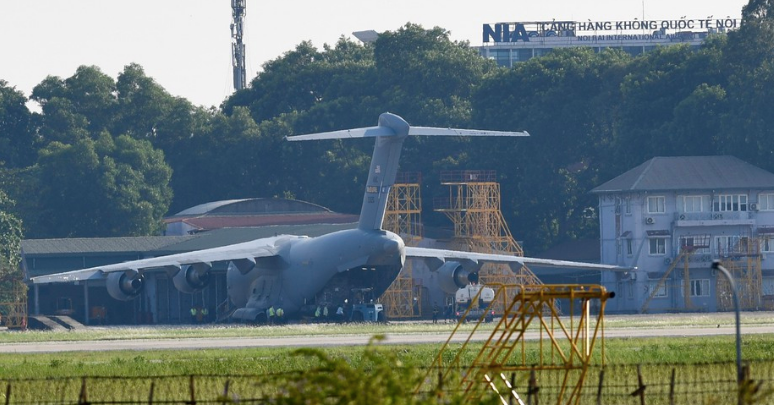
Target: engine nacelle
193,278
452,276
125,286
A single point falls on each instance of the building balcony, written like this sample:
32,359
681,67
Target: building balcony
714,218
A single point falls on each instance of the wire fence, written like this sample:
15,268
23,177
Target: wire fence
713,383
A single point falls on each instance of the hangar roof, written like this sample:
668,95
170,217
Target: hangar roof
690,173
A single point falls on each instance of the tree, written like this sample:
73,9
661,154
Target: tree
102,188
565,100
17,141
10,235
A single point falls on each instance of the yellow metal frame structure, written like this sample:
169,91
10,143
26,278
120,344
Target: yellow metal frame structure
13,308
685,253
561,343
403,216
743,261
473,206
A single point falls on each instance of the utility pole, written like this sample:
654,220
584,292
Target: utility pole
237,46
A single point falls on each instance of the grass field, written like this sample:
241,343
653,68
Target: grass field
357,370
259,360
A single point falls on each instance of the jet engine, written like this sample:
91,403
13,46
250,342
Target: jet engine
193,278
125,286
453,275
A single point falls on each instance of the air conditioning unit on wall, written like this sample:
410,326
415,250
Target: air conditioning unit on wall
753,207
650,220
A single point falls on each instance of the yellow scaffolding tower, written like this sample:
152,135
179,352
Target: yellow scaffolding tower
403,217
743,261
473,206
686,251
563,345
13,303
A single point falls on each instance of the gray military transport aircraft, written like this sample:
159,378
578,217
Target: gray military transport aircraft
290,271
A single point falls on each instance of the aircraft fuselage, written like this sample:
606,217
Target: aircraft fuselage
323,270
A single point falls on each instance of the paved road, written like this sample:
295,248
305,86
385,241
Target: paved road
349,340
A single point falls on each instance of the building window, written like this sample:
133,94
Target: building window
660,290
656,205
767,243
698,242
730,202
699,288
629,247
657,246
727,244
628,206
766,202
695,203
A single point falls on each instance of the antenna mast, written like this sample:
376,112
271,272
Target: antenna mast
237,46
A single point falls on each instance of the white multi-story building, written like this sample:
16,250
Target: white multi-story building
670,217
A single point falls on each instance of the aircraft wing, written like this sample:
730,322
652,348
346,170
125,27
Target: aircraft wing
241,251
450,255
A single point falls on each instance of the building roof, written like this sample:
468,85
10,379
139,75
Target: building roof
690,173
256,212
251,206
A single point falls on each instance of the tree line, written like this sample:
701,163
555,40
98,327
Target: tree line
111,157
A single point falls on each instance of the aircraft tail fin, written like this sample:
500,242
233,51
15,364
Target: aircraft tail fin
389,133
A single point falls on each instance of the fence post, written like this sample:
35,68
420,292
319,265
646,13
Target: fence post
8,393
640,391
193,390
439,392
533,388
82,397
150,394
225,393
513,388
599,387
672,388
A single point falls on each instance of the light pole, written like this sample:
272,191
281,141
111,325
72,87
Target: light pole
739,376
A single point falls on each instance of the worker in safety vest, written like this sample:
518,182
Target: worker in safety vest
280,316
317,314
205,314
271,315
193,314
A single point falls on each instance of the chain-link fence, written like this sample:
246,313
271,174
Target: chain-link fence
713,383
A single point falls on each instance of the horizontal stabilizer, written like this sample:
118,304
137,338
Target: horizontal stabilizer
346,133
431,131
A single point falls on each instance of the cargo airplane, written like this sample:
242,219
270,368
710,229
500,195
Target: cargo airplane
290,271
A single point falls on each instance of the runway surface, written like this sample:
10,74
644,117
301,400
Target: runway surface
337,340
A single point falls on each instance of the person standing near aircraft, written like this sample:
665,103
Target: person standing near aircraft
280,316
271,315
340,314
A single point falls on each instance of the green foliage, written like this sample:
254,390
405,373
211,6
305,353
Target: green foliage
10,237
102,188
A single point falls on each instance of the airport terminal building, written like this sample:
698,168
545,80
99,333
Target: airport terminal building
512,42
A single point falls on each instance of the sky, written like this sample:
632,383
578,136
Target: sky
185,45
